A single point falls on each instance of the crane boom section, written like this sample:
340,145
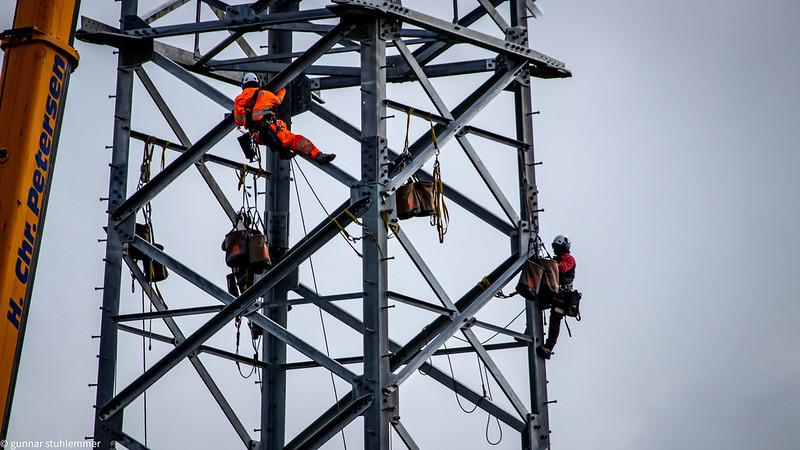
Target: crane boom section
37,61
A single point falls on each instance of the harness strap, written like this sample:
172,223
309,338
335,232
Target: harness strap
248,110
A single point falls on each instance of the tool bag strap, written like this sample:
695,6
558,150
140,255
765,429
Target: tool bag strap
248,110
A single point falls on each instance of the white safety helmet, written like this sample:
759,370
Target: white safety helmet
562,241
249,78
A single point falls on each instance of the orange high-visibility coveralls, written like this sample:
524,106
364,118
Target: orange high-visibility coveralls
264,109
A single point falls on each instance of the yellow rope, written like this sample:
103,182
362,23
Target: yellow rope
441,216
394,226
408,127
242,177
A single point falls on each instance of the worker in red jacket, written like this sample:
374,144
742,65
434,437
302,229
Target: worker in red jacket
267,129
566,276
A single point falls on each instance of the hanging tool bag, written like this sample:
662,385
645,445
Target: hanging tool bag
539,281
257,251
143,231
154,271
530,279
248,146
415,199
246,249
568,303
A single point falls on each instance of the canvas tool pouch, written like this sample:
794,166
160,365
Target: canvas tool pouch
568,303
257,251
235,247
530,279
154,271
143,231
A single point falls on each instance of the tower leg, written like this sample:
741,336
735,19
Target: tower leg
117,193
273,387
537,433
374,173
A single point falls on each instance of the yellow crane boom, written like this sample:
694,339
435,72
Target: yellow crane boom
38,59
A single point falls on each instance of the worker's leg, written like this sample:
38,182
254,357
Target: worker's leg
295,142
553,328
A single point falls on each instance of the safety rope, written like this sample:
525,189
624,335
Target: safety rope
406,152
489,416
316,291
350,239
486,394
144,369
147,213
453,377
505,327
250,218
238,322
441,217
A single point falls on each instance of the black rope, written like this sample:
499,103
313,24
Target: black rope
238,323
316,291
347,237
144,369
489,416
511,322
453,377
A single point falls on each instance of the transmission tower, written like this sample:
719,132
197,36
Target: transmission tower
368,28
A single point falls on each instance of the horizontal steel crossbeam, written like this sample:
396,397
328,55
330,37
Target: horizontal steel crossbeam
544,66
299,253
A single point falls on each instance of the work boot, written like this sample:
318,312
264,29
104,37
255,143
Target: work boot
544,351
324,158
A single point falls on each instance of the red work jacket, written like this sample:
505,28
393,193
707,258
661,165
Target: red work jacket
566,270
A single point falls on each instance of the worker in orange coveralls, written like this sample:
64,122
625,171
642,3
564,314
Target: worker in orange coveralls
265,127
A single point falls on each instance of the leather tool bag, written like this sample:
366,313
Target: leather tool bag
257,251
424,192
530,279
154,271
143,231
549,286
235,248
246,249
415,199
539,281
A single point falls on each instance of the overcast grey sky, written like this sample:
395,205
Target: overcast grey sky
670,160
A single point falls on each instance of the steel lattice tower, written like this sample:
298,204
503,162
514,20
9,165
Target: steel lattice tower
368,27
